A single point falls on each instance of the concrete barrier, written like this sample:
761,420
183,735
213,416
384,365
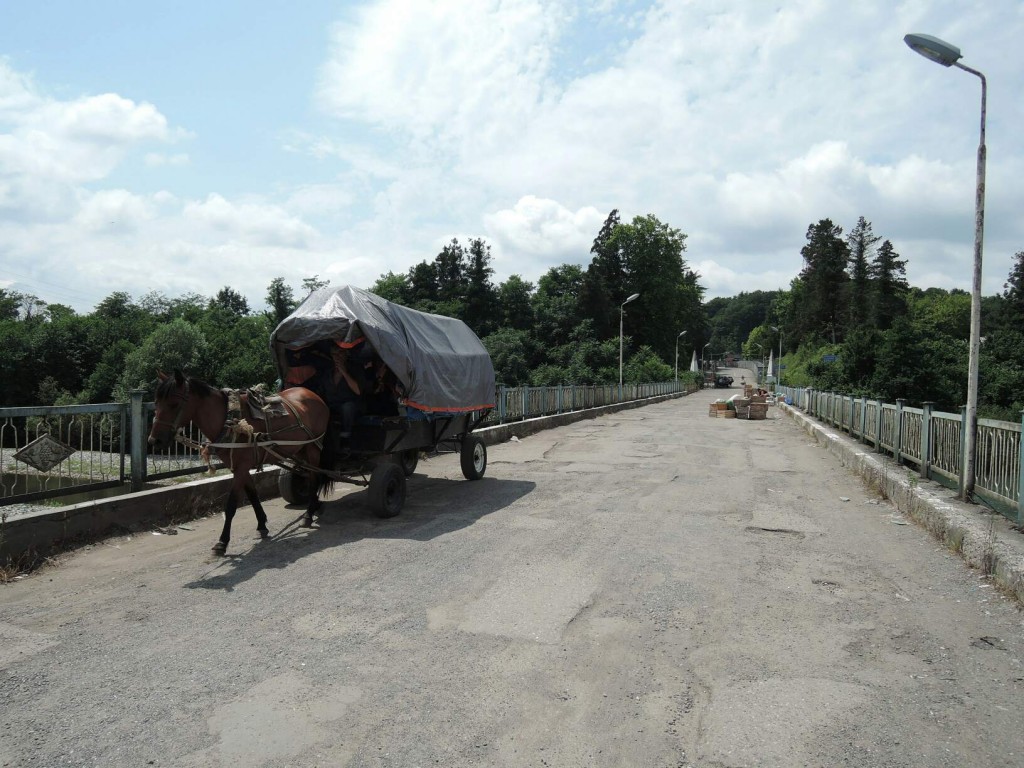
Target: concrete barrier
27,538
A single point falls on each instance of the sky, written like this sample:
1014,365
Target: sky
184,147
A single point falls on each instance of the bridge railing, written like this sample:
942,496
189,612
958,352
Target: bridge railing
931,441
62,451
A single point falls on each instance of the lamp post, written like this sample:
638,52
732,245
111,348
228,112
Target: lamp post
702,358
778,379
948,55
761,347
681,334
622,312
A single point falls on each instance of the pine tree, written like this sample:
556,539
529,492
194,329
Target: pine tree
1013,294
888,273
603,280
861,242
824,278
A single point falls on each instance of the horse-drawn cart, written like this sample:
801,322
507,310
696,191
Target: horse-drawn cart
437,386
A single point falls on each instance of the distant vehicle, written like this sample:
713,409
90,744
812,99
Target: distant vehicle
722,381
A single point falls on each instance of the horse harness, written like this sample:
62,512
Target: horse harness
238,432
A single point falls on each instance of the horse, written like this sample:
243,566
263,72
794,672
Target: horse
296,435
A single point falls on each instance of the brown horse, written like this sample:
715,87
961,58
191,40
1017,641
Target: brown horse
243,445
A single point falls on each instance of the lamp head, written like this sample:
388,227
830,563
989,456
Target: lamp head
933,48
631,298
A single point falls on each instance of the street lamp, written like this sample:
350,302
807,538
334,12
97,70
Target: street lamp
948,55
622,312
681,334
702,357
761,347
778,379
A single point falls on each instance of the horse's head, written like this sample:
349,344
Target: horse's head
173,408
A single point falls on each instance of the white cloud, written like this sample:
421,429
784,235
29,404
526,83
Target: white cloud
254,223
157,159
526,122
113,210
536,228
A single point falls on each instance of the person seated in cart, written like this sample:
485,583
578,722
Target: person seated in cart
382,398
340,386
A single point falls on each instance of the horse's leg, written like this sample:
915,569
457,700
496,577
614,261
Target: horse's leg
257,507
313,457
237,486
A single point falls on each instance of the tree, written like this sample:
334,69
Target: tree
514,302
230,301
1013,294
10,302
556,304
732,320
651,255
313,283
280,300
450,268
510,353
645,365
889,275
824,278
604,279
423,290
481,298
392,287
116,305
177,344
861,244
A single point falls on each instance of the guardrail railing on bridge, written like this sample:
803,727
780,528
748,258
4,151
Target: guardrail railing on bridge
58,451
930,440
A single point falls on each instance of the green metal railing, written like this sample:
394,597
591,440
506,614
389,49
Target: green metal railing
932,441
109,451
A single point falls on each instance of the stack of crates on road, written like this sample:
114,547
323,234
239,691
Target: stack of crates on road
755,408
721,410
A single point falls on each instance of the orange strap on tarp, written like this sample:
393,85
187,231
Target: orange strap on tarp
431,409
350,344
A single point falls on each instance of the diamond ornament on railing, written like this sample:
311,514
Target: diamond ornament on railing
44,453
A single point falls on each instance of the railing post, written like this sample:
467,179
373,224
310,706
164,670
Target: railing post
137,419
960,453
526,400
1020,475
897,444
853,411
502,391
863,418
878,426
926,440
558,405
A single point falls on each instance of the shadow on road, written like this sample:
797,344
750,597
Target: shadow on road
433,507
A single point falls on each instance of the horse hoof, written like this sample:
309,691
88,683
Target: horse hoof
307,521
264,534
220,548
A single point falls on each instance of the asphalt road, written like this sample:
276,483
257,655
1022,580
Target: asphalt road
650,588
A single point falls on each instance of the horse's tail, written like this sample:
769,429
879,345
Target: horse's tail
328,457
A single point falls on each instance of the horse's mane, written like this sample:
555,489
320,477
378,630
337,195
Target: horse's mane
166,387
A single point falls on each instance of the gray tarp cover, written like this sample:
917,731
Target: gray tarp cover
439,360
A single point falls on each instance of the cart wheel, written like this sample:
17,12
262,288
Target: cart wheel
387,489
474,457
408,460
295,488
